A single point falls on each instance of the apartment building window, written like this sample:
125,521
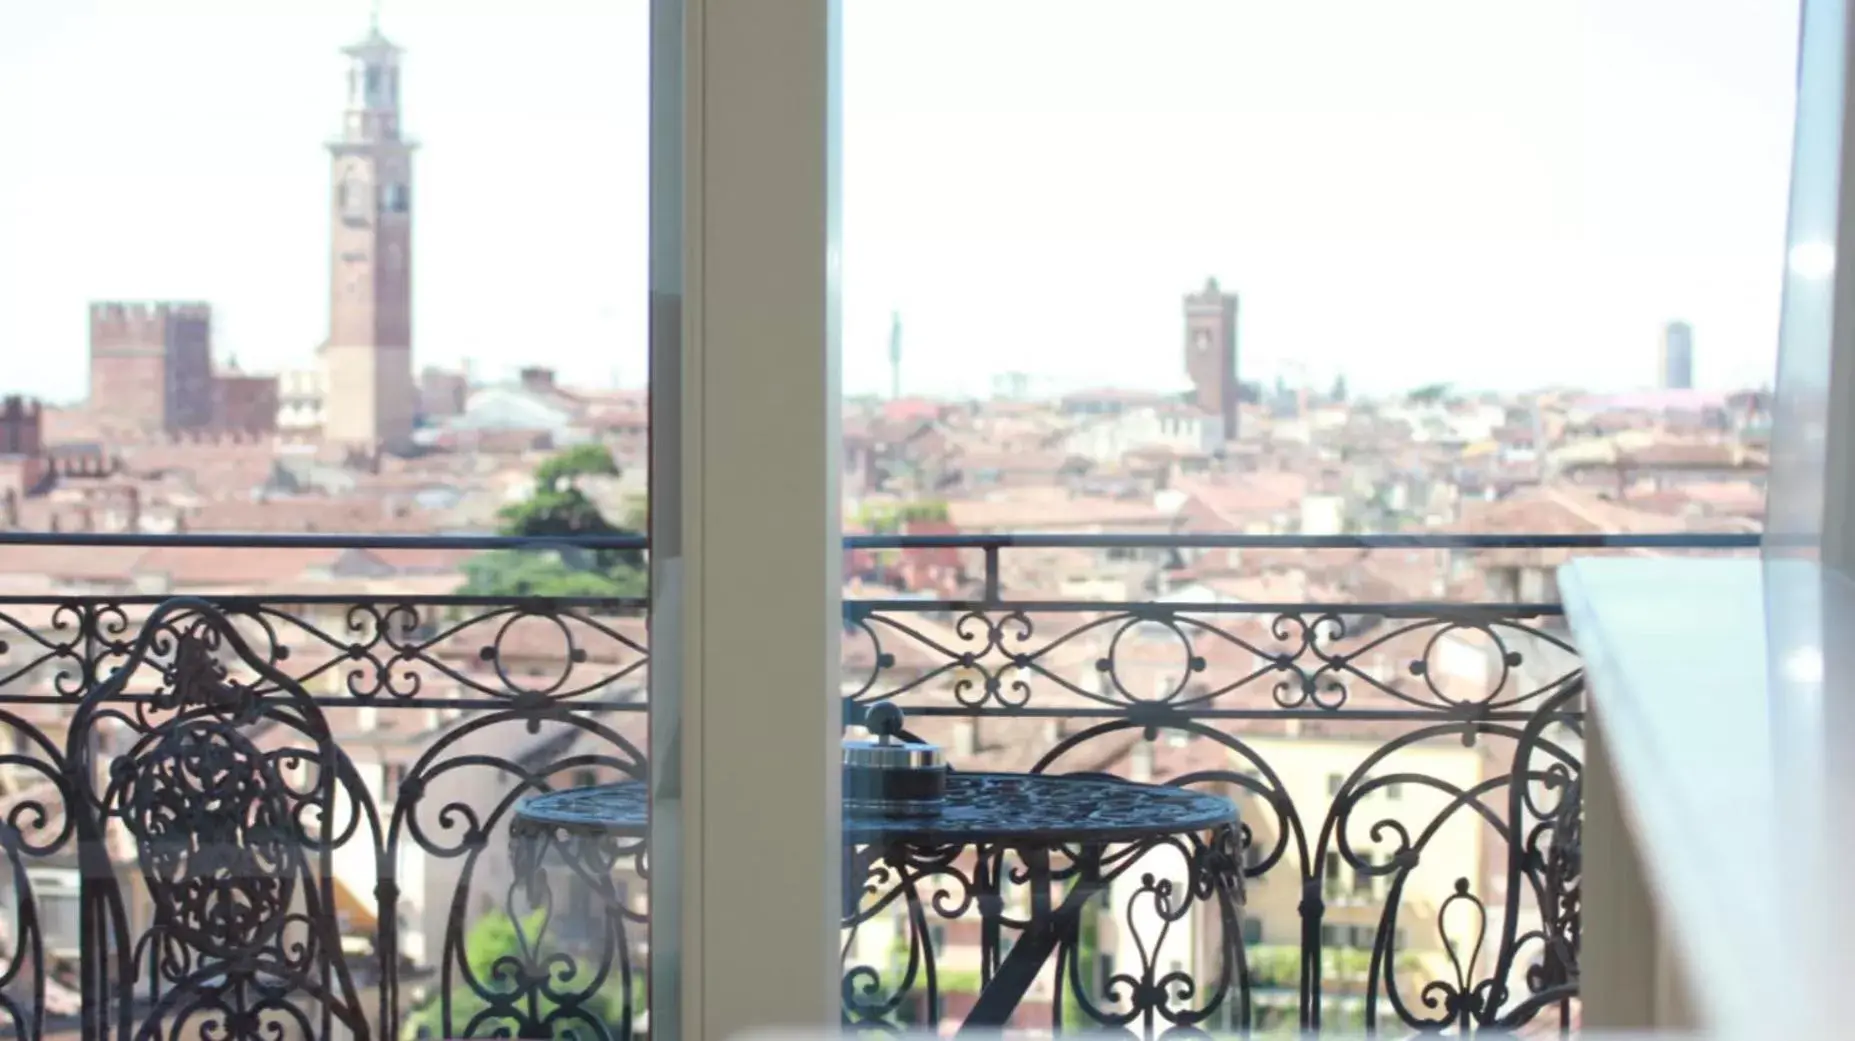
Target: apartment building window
1332,936
1362,879
1332,871
1364,937
1252,929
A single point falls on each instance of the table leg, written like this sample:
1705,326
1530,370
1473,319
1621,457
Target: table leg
540,996
1034,946
1228,890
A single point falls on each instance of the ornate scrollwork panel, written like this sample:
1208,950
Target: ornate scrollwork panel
1182,657
910,894
385,650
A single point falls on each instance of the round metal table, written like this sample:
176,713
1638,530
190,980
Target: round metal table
1063,841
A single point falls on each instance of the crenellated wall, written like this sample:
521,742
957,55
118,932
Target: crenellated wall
151,363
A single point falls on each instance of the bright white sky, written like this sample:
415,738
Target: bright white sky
1496,193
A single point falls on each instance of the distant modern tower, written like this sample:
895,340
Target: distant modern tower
1211,353
895,355
151,365
1677,367
371,397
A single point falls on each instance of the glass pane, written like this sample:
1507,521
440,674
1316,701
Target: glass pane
1226,383
343,334
1803,559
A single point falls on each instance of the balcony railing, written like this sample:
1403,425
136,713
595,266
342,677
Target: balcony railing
1408,775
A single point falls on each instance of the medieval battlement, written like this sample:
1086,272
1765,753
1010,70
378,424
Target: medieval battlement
122,323
20,426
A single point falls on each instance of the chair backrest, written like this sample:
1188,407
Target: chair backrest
226,787
1545,818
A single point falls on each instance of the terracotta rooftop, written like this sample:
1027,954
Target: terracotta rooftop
1704,455
1558,510
356,513
43,566
1234,500
1047,509
222,570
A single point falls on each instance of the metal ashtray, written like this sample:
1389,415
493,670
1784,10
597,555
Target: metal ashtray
892,775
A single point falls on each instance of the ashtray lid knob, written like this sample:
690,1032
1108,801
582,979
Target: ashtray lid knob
891,749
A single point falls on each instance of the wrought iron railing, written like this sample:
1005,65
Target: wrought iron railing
1407,772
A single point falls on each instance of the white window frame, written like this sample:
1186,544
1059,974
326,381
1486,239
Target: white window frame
746,541
1631,972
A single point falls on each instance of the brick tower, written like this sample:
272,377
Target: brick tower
371,397
151,365
1211,353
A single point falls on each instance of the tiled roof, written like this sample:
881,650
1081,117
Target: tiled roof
355,513
1236,499
220,570
1046,508
1558,510
1691,455
423,561
53,565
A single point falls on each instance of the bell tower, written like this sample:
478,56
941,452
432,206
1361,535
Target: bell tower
367,360
1211,354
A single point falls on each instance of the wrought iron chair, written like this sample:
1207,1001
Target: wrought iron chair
229,791
1545,857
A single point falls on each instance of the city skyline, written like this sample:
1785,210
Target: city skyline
1016,226
1189,440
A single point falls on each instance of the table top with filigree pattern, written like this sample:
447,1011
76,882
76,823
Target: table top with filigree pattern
979,807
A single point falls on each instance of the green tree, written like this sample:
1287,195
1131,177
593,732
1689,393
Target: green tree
560,509
1428,394
495,939
566,515
588,460
1088,970
637,513
518,573
932,511
888,519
